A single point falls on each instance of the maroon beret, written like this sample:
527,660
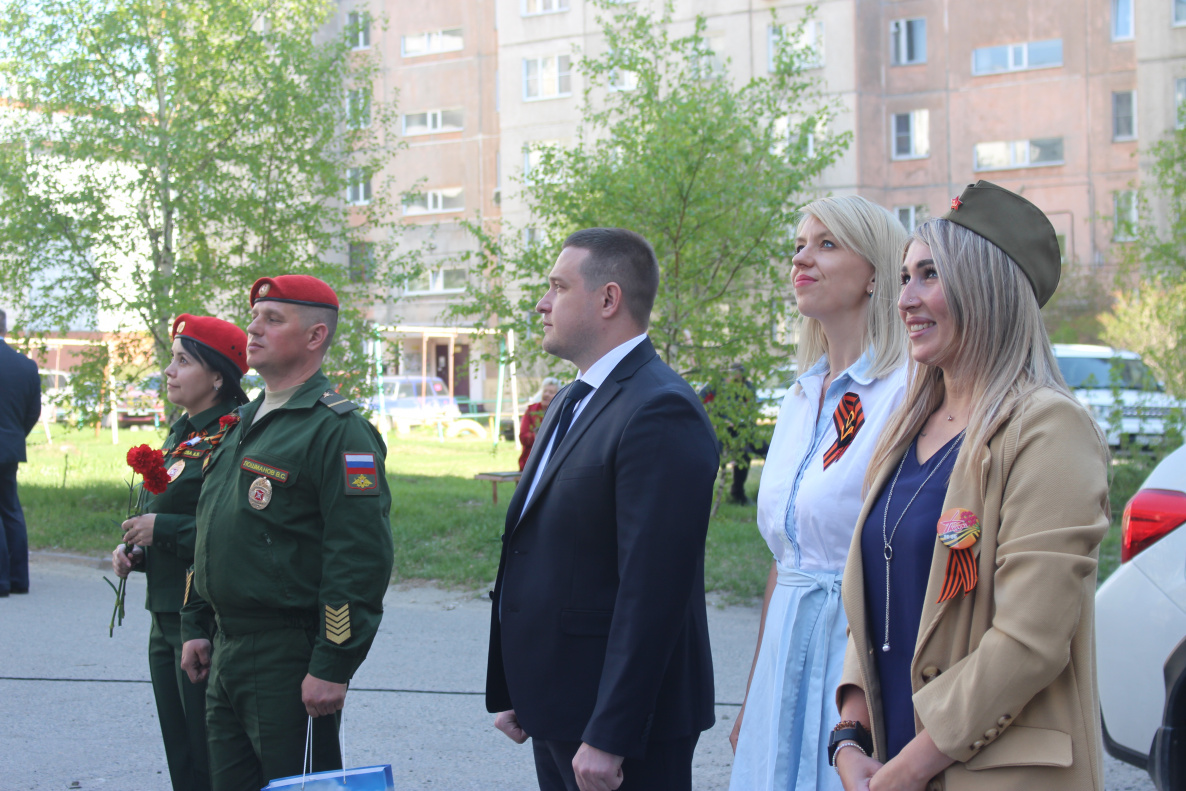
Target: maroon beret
215,334
297,289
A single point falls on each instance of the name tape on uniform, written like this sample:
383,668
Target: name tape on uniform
267,470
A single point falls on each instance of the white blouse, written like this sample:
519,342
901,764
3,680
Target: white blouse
810,493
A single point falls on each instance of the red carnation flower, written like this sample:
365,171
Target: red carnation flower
226,421
156,480
143,458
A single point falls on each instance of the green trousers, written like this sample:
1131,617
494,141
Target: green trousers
180,706
254,715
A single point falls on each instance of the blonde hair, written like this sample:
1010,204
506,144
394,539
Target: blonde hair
1001,350
874,234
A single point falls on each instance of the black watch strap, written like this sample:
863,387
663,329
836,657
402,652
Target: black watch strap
856,734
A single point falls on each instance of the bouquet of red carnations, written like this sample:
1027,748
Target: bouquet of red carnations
150,464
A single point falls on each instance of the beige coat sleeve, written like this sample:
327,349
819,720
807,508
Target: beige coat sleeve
1053,516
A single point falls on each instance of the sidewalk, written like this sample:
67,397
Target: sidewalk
76,709
416,703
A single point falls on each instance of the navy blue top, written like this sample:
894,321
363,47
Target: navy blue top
913,546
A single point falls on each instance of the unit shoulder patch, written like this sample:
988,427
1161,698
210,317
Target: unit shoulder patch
337,403
362,474
337,623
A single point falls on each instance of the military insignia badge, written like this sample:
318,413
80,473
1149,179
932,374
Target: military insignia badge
260,493
264,289
180,327
362,475
959,530
176,469
337,623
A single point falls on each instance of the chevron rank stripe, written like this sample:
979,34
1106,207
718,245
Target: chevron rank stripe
337,623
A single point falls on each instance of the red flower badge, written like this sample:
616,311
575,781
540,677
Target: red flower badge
226,421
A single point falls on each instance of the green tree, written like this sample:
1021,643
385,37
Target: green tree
157,156
1149,315
710,171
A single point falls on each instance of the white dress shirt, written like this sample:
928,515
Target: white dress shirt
594,377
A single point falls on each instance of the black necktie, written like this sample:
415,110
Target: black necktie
578,390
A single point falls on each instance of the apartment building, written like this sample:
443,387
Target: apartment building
541,91
439,61
1053,100
1038,97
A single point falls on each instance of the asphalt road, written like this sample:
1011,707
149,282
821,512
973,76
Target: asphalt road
76,708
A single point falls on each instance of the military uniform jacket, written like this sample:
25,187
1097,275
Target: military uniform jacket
172,552
292,525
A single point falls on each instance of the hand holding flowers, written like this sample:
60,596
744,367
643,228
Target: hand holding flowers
150,464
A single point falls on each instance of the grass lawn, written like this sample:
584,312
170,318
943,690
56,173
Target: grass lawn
445,526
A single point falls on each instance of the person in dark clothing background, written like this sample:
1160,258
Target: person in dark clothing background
735,398
20,407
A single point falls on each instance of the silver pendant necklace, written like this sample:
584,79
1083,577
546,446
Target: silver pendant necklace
887,541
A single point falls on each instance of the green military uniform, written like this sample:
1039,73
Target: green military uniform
293,556
180,704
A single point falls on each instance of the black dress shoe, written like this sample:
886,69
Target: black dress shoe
3,594
19,590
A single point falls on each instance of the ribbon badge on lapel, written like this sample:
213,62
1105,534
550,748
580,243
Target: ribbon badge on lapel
959,530
848,419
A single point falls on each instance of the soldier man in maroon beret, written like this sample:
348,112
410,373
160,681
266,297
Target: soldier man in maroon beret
293,552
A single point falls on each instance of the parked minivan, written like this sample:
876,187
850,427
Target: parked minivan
1119,390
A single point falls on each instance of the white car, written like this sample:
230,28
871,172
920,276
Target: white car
1140,628
1109,381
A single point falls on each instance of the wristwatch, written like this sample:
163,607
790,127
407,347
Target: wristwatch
849,731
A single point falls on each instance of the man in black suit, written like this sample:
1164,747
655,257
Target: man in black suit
598,635
20,406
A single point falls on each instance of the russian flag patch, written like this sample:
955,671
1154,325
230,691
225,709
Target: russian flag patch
362,477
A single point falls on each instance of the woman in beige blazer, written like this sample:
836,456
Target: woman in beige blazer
969,586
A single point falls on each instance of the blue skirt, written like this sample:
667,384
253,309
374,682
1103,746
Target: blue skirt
791,707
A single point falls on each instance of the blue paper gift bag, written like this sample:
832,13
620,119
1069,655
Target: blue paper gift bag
363,778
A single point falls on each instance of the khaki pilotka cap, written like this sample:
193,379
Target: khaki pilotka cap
1016,226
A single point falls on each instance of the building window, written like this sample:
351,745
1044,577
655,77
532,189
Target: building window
533,7
908,41
358,109
433,121
531,157
438,201
1180,12
1124,227
437,280
358,187
912,216
1122,22
911,135
623,80
810,45
361,261
1005,154
1017,57
1124,115
432,42
1179,102
548,77
358,30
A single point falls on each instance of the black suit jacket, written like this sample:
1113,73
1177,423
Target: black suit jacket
603,635
20,402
